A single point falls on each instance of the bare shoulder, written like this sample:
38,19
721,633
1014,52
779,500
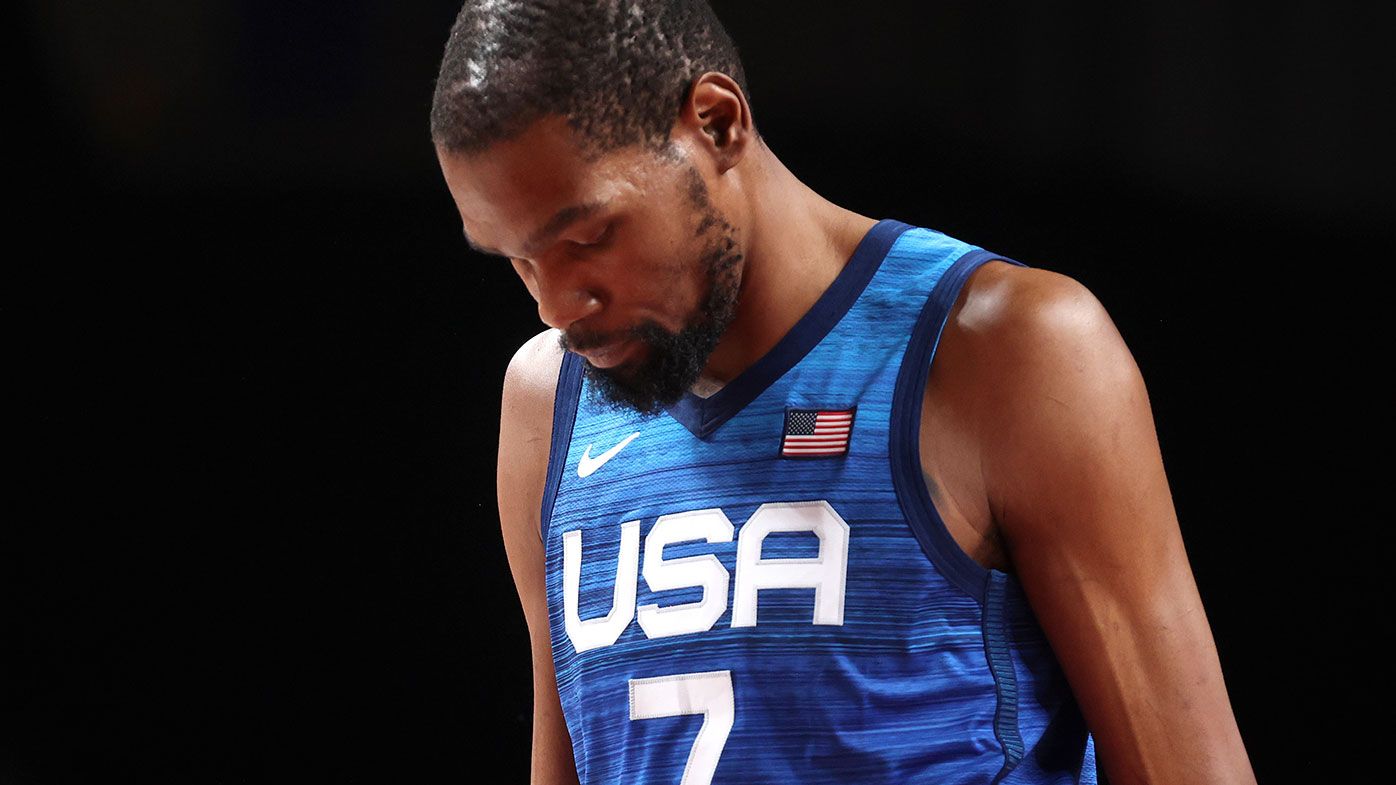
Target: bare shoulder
1017,328
1029,344
1005,302
531,379
1005,316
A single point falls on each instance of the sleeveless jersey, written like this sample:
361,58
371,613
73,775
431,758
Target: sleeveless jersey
756,587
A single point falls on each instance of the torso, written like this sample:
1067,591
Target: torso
654,573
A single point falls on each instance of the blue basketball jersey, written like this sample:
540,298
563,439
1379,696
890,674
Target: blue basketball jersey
756,588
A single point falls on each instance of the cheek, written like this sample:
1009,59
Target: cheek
675,273
678,297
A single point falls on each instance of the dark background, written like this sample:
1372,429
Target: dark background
254,371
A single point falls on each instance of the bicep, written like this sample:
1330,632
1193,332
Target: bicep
1076,480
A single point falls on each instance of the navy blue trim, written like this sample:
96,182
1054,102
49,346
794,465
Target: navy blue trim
569,389
702,416
905,428
1005,678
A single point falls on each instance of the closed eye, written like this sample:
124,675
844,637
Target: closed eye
600,238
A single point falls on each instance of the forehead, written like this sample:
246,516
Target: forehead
511,191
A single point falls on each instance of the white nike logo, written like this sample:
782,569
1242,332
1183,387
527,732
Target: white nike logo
588,464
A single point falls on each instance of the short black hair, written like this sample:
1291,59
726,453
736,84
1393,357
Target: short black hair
618,70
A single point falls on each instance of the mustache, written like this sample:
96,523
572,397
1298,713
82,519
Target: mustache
582,340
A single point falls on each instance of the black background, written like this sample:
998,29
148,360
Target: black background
254,371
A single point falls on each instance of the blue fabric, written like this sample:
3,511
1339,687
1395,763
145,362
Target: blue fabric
933,669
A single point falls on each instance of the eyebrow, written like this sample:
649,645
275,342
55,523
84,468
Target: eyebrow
556,225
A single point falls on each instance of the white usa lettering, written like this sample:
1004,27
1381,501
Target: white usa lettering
827,573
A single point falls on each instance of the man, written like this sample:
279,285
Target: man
791,494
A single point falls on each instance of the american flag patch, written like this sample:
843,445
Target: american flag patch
816,433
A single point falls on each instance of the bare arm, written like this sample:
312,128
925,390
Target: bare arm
525,431
1075,479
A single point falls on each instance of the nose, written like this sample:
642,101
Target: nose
564,296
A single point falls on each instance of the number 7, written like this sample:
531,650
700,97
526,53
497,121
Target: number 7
708,694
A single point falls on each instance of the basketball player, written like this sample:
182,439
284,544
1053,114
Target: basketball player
791,494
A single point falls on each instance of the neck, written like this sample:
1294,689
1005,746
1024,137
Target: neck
796,243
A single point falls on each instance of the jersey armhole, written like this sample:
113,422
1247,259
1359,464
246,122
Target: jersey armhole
569,389
904,430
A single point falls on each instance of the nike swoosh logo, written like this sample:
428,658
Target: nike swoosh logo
588,464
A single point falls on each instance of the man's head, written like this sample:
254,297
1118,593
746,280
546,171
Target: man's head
618,70
595,145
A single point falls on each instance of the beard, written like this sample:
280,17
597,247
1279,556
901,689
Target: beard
672,362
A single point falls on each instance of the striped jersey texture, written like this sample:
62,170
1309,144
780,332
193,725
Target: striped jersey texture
757,588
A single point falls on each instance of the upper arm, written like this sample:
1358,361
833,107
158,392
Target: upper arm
525,436
1075,480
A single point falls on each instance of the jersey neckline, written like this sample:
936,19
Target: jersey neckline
703,416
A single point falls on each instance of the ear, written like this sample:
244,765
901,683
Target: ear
718,118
